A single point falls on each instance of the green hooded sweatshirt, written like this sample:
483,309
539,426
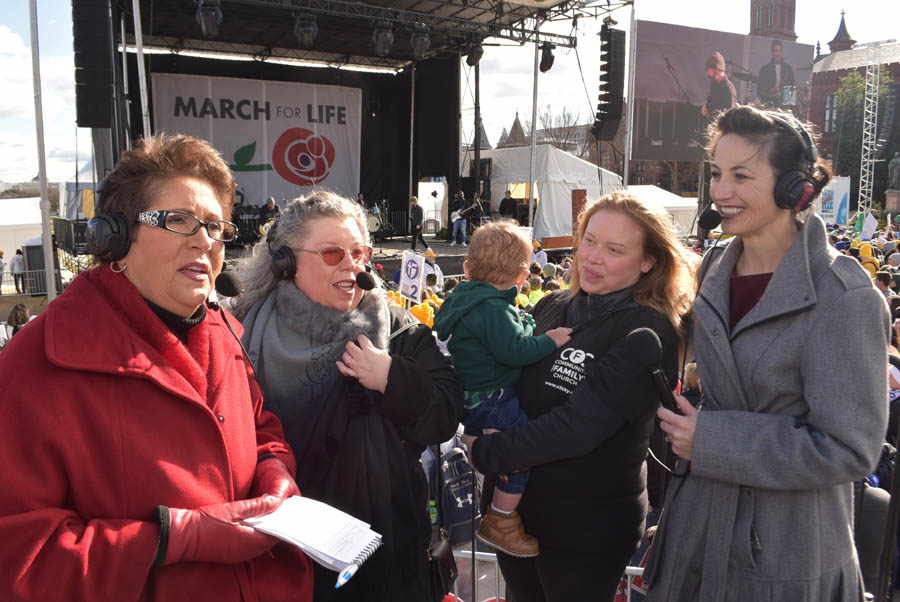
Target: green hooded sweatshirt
490,341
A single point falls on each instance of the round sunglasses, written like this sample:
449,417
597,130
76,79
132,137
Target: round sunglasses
335,255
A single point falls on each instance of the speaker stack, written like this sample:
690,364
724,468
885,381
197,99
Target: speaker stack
890,129
93,63
611,99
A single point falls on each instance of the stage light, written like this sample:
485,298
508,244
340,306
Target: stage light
475,53
305,29
546,57
383,38
420,41
209,16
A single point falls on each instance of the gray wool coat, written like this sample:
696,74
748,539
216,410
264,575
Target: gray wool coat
795,408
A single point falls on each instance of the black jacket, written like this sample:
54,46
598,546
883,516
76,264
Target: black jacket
415,215
767,81
458,204
587,452
421,406
508,207
721,96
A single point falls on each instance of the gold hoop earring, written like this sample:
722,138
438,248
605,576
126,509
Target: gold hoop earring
115,264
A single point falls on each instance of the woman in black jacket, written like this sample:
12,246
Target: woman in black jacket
359,385
592,404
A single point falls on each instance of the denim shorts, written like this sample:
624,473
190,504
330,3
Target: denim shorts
499,411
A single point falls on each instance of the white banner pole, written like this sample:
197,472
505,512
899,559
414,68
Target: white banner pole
46,237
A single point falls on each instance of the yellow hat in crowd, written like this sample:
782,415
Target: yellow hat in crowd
865,250
430,253
854,244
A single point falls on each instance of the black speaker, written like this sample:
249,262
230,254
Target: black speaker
611,99
890,127
93,63
486,191
469,186
485,170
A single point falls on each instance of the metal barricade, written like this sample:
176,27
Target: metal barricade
631,572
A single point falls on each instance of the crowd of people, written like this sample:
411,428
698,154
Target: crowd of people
143,437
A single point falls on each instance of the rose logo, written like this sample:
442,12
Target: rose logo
301,157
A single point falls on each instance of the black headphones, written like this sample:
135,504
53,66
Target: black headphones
794,189
108,234
281,261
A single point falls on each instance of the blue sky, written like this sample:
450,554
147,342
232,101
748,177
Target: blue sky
506,73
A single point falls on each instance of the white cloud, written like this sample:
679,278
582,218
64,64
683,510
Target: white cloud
18,142
57,80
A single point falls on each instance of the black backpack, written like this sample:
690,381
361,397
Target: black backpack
460,496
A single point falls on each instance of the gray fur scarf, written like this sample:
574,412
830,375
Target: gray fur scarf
328,325
294,343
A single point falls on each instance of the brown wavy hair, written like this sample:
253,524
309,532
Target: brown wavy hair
669,286
141,173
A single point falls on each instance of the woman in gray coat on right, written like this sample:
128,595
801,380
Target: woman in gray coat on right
790,339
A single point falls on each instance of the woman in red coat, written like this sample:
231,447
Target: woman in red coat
133,435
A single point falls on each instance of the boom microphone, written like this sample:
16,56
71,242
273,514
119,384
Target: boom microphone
228,285
365,281
710,218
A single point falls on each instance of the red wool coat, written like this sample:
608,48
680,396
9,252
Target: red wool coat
104,417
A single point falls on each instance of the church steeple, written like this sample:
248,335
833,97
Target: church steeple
842,39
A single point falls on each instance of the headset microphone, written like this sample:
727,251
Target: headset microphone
365,281
229,285
710,218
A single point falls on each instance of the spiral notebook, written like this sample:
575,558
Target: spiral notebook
329,536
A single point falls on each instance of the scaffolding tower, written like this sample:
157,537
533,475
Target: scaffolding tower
870,126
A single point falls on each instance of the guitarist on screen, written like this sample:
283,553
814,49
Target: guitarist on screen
458,210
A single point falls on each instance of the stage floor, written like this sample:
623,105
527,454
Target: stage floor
390,252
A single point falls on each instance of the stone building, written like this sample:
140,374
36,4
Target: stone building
828,70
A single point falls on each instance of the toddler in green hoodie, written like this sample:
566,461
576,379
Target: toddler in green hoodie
489,341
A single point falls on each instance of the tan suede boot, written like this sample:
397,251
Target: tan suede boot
507,534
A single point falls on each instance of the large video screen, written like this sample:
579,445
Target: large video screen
685,75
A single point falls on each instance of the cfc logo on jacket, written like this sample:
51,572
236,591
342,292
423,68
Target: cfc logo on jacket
568,369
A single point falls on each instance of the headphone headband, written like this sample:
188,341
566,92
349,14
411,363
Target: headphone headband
810,153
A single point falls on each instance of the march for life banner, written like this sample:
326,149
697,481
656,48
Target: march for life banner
279,138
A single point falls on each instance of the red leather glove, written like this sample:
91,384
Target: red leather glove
214,533
273,478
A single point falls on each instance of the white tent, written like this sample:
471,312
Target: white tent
73,196
682,210
556,173
20,220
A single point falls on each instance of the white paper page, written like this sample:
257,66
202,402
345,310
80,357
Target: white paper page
319,529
